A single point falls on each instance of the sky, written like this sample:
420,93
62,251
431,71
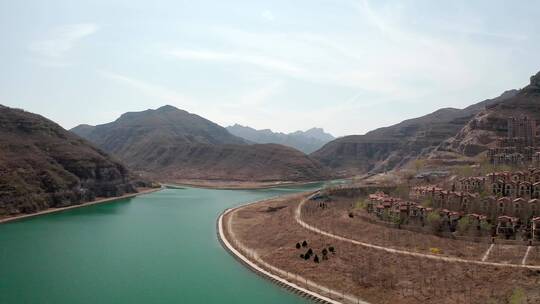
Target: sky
348,66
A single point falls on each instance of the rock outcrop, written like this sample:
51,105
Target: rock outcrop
392,147
482,131
43,166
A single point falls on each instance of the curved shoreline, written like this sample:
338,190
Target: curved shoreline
99,201
277,279
265,274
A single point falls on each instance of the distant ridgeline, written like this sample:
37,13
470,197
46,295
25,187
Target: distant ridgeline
393,147
305,141
468,132
171,144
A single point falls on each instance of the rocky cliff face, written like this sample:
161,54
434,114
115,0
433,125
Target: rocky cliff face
482,131
391,147
44,166
169,143
351,155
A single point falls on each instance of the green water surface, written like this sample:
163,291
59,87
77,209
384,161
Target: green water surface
156,248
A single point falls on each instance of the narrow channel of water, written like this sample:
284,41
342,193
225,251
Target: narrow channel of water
157,248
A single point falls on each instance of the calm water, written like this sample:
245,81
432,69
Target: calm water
156,248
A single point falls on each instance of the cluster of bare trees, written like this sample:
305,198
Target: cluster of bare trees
307,255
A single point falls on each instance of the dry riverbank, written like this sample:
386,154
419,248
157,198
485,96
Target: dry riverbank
141,191
269,230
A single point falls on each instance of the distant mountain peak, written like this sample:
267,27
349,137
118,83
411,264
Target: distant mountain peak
167,108
306,142
534,85
174,144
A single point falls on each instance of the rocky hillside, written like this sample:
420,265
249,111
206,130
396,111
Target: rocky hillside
172,144
42,166
391,147
305,141
481,132
260,163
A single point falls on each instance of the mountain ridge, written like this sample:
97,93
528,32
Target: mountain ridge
392,147
482,131
306,141
170,143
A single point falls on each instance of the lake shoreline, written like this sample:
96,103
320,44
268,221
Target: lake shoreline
94,202
235,185
222,232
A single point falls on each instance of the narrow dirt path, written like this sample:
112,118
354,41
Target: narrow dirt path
298,218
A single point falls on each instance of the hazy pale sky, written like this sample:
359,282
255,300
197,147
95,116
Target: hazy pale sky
346,66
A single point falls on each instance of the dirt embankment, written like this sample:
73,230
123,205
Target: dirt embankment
375,276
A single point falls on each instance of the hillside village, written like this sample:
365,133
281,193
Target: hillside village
504,203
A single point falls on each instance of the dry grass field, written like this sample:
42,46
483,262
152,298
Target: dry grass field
373,275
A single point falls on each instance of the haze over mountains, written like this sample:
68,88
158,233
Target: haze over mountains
447,129
43,166
172,144
305,141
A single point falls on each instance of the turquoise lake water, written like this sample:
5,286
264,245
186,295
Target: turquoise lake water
156,248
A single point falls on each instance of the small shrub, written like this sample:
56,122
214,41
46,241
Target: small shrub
463,224
351,215
427,202
361,204
434,221
324,252
331,249
301,255
435,250
485,226
402,191
396,219
316,259
310,252
418,164
304,244
518,296
297,245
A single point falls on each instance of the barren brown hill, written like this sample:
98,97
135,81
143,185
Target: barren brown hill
391,147
42,166
481,132
172,144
